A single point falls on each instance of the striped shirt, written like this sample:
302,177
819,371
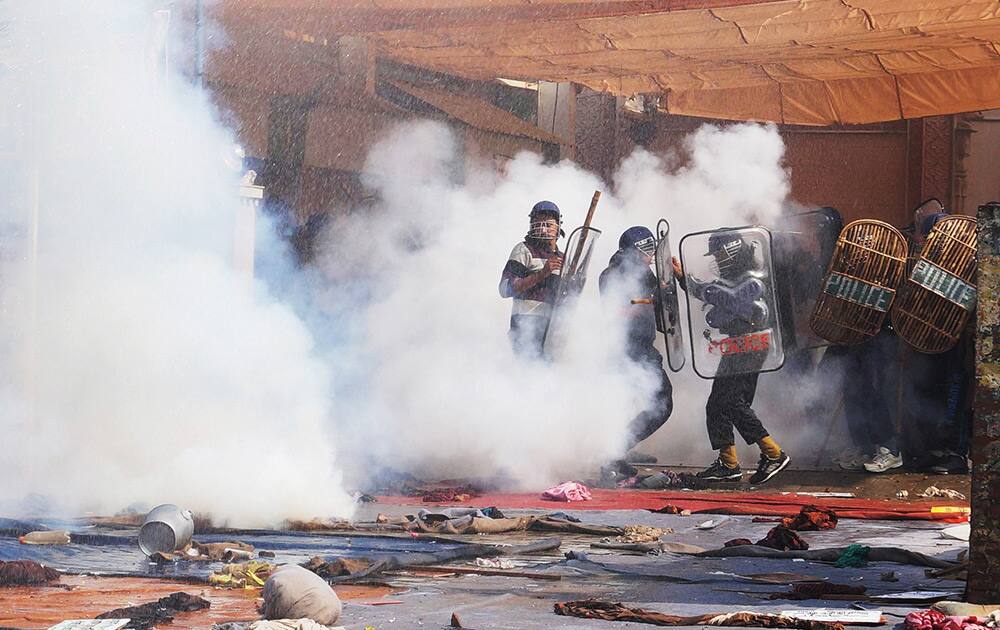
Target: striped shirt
525,259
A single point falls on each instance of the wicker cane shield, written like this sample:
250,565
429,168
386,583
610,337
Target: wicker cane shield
938,296
867,266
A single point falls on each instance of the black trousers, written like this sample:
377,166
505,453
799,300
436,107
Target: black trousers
527,335
729,402
662,403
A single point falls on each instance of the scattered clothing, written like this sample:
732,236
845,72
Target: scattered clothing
608,611
337,567
494,563
854,556
247,575
667,509
568,491
811,519
25,572
783,539
162,611
832,554
737,542
272,624
637,534
934,620
293,592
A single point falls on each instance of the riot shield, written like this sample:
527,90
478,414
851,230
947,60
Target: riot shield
732,310
860,286
668,311
936,300
579,251
803,248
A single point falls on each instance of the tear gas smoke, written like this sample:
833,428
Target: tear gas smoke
441,393
137,365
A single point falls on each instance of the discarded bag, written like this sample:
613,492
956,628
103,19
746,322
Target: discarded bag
608,611
293,592
23,572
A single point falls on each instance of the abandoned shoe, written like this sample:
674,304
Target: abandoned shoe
884,460
767,467
720,472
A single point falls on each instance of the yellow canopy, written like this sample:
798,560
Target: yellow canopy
810,62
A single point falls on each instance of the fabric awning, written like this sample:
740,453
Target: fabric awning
811,62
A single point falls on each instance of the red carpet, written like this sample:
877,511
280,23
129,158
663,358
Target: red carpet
745,503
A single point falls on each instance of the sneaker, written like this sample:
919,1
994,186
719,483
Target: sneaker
720,472
884,460
852,459
767,468
950,463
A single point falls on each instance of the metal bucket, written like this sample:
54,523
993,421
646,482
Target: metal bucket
166,529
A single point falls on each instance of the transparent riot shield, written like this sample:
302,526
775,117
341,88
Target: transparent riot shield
732,305
572,278
803,248
668,311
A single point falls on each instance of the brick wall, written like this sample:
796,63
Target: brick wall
984,569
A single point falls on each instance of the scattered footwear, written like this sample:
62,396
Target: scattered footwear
767,468
884,460
720,472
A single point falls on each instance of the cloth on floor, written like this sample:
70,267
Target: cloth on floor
590,609
252,574
666,509
293,592
933,620
811,519
568,491
854,556
964,609
337,567
23,572
655,548
450,494
818,590
638,534
149,615
737,542
475,522
670,479
45,537
783,539
274,624
832,554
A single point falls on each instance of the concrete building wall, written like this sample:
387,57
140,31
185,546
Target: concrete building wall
982,165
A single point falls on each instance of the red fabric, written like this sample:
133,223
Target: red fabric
744,503
811,519
933,620
569,491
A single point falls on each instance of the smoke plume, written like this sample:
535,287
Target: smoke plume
138,364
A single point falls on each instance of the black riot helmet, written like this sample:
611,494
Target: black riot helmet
733,255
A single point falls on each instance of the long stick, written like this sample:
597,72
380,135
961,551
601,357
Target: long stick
583,236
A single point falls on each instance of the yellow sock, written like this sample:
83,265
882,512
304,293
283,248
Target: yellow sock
769,447
728,456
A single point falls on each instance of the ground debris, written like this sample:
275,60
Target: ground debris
590,609
149,615
24,572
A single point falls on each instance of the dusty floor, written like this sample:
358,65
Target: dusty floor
669,583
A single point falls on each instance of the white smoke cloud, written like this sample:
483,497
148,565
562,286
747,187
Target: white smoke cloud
137,364
441,392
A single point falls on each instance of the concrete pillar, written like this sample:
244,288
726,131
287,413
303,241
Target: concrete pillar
557,113
984,544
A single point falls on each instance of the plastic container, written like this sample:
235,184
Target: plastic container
166,529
